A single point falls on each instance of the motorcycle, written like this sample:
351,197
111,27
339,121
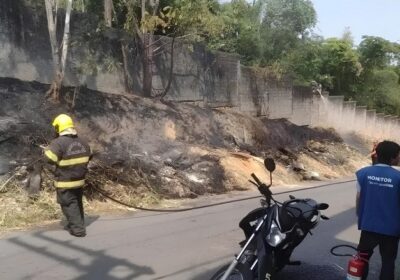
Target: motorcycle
272,233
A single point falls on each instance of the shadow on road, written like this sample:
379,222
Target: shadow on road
188,269
102,265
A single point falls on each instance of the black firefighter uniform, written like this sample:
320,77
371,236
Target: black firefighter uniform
71,155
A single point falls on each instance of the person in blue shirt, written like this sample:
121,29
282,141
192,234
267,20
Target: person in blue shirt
378,208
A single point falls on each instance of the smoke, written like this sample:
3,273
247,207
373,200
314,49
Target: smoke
346,117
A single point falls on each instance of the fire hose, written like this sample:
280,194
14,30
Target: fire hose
342,246
104,193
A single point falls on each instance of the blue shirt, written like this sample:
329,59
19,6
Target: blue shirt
379,204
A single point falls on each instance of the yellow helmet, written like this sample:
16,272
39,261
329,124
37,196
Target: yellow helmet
62,122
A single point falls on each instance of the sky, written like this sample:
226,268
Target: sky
363,17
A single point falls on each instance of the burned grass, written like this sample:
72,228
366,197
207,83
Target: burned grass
148,152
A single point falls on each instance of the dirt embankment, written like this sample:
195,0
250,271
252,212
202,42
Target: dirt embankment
146,150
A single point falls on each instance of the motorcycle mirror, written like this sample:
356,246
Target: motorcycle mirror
322,206
291,196
270,164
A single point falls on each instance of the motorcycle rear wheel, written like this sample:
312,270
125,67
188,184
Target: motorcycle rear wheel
241,272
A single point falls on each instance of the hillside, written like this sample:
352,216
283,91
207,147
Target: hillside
146,151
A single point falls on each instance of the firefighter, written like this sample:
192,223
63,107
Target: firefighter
70,155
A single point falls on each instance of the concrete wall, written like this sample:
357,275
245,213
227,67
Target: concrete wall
252,92
213,79
280,100
321,102
335,111
370,122
360,118
348,114
316,113
302,104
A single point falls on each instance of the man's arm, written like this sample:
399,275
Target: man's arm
52,154
358,198
357,203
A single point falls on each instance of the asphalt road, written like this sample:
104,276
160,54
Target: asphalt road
178,246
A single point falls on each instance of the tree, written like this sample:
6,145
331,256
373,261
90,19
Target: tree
304,63
380,84
143,25
59,58
382,91
197,19
294,16
284,24
396,56
241,31
341,62
108,15
174,18
375,52
138,24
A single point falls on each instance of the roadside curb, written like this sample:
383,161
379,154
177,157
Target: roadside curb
314,185
237,196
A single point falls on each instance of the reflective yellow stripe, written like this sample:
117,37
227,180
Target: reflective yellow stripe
69,185
73,161
52,156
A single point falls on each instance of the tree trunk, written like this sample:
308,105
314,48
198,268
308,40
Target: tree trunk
128,81
148,65
147,47
171,71
51,12
59,62
65,43
108,10
143,14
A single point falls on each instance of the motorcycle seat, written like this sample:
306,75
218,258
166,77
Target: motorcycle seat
290,212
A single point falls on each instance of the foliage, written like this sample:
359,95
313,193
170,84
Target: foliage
341,62
284,24
383,91
199,18
375,52
241,31
263,33
379,85
171,17
294,16
305,63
